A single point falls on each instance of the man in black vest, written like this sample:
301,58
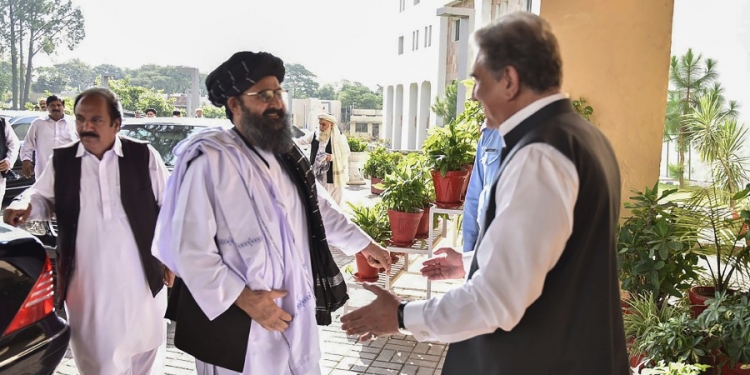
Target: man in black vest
542,295
9,146
105,191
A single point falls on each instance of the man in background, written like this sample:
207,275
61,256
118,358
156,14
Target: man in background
46,133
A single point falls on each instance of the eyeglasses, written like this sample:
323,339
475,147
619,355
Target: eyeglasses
267,95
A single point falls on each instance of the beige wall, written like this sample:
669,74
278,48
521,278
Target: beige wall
616,55
451,62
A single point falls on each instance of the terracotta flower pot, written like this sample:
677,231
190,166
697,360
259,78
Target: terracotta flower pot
698,296
738,369
448,189
423,230
373,182
404,227
470,167
365,272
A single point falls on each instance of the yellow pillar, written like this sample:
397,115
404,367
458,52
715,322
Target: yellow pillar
616,55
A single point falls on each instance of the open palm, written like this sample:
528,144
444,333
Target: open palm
447,265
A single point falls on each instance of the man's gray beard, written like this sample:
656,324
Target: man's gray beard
325,135
272,135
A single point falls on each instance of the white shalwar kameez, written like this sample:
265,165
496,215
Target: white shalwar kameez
216,276
117,326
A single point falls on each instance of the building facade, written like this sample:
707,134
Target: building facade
304,112
366,123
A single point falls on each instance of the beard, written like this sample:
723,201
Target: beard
325,135
270,134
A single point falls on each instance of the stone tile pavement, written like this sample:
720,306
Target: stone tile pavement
343,355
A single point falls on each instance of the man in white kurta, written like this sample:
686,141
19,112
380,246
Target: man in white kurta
234,223
117,326
46,133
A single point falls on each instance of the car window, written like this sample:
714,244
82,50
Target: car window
297,132
161,136
21,128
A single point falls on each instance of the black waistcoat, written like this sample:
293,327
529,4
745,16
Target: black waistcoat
3,140
314,145
138,201
575,327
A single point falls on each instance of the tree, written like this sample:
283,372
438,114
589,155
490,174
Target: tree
214,112
299,82
326,92
33,26
110,70
357,95
445,107
49,79
690,77
5,80
138,98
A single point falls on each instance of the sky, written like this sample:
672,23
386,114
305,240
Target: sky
334,39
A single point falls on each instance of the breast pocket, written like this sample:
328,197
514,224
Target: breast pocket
490,164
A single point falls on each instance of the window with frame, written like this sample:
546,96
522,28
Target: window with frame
360,127
428,36
416,2
528,5
401,5
457,30
401,45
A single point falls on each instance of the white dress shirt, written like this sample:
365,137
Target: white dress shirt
112,313
44,135
535,194
11,140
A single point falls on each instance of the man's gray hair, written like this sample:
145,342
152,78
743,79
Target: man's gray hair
524,41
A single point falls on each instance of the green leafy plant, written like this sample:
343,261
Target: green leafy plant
356,144
675,368
373,221
405,190
654,246
380,163
642,313
582,107
450,148
680,338
727,319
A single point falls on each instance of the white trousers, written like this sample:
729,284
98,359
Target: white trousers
148,363
2,189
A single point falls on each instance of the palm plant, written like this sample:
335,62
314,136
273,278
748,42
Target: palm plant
445,107
690,77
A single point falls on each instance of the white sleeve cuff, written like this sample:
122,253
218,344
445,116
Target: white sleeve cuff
467,259
415,323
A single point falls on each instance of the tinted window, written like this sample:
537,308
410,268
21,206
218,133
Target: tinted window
21,128
162,137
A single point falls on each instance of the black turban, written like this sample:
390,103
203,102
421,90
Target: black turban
239,73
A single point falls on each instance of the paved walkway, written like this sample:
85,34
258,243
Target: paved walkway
343,355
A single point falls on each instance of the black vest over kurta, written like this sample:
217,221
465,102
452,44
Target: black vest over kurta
138,201
575,327
314,146
3,140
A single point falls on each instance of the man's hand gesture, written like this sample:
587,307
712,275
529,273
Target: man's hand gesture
260,305
16,217
449,265
28,169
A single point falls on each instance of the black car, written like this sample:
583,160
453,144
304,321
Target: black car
33,339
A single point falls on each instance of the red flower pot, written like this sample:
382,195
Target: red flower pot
404,227
470,167
373,182
698,295
365,272
423,229
448,189
738,369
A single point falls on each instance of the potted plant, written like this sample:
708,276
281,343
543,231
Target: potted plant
675,368
641,313
655,247
357,159
721,241
679,338
727,319
378,165
449,150
403,197
372,221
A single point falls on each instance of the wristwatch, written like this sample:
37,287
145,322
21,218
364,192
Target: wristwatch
400,317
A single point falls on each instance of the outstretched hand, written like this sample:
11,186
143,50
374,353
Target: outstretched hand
379,318
448,264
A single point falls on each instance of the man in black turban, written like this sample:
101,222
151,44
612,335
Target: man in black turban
246,229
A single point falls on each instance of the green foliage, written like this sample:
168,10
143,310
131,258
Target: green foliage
214,112
326,92
643,313
373,221
583,108
445,107
139,98
727,319
721,234
451,147
73,75
357,95
678,339
299,82
675,368
654,246
380,163
405,190
356,144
